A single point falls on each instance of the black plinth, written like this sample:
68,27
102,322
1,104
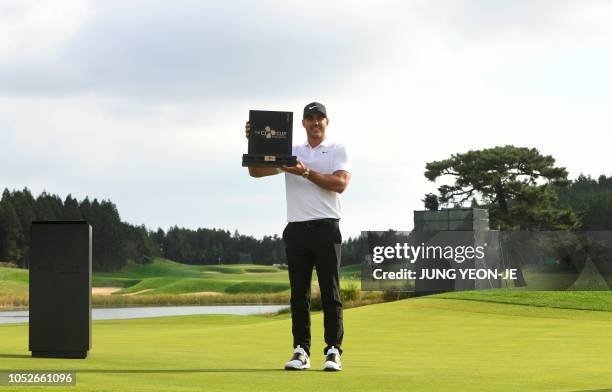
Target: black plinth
270,141
60,289
60,354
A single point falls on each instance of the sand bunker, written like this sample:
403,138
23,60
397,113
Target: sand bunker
111,290
104,290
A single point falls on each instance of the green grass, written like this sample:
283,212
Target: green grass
423,344
167,268
159,267
158,281
580,300
149,284
167,282
168,277
14,275
194,285
13,287
351,272
108,281
258,287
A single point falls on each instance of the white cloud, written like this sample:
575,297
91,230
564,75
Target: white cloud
145,102
31,30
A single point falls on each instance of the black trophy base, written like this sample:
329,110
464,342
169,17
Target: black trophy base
60,354
268,160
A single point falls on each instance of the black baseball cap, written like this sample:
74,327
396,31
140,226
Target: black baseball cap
315,107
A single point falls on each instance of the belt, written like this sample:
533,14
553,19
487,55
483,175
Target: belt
316,222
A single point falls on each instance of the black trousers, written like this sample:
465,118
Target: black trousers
314,244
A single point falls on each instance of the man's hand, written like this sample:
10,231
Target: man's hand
258,171
298,169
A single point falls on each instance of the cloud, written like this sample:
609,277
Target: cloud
155,50
144,102
31,30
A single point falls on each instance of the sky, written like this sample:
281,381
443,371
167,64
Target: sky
144,102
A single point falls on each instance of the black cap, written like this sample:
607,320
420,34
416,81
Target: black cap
314,107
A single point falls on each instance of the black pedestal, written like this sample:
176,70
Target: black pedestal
59,354
60,289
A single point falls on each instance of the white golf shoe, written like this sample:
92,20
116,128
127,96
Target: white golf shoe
299,360
332,360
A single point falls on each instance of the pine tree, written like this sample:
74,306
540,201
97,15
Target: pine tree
23,202
517,183
85,209
70,210
48,207
11,233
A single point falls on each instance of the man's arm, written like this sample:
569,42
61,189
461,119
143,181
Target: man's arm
258,171
336,182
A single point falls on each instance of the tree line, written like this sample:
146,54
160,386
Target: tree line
591,199
117,243
114,242
216,246
583,204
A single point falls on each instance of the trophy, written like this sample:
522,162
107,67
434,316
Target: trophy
270,139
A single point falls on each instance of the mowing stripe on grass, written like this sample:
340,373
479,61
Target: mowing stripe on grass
422,344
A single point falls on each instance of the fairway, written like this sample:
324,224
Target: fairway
418,344
168,277
164,282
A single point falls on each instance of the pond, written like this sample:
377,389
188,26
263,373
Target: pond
21,316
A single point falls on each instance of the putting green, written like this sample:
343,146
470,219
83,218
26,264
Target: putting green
419,344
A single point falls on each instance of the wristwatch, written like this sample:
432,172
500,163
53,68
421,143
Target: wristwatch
306,173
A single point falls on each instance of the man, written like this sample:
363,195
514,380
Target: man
312,235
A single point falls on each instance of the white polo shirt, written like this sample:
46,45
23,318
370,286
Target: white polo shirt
306,200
